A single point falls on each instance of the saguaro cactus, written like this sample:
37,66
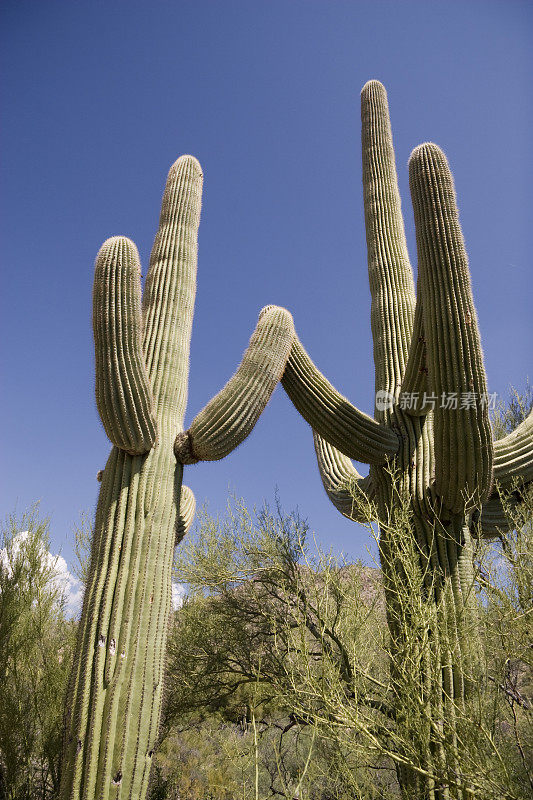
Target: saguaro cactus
431,426
142,364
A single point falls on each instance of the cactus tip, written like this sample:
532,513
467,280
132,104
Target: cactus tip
265,310
118,243
185,161
426,148
373,87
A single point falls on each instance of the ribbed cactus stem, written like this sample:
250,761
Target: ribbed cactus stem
415,380
123,392
513,473
170,290
116,686
349,492
498,516
331,415
186,513
513,456
463,437
389,269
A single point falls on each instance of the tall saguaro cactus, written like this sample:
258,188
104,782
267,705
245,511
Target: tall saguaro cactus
142,363
431,426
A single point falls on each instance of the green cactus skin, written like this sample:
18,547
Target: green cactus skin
142,363
341,480
445,459
331,415
123,392
463,438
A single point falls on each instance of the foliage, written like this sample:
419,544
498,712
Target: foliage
284,611
278,678
493,731
36,641
506,589
509,414
286,643
83,533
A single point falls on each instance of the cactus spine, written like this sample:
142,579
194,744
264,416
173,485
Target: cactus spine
142,363
428,343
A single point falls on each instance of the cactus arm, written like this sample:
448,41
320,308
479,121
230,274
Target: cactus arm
230,416
494,520
415,381
123,392
186,512
389,269
513,455
333,417
342,481
513,468
170,289
463,440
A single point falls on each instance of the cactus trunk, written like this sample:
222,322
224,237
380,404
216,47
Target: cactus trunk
427,566
114,706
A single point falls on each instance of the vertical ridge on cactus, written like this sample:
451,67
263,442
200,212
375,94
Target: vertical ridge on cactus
142,363
414,381
389,269
442,458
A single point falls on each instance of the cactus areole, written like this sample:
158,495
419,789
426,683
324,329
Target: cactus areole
142,363
431,424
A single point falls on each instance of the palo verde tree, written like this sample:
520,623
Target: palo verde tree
430,439
142,362
36,641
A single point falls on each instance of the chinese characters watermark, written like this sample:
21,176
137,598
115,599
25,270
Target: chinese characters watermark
424,401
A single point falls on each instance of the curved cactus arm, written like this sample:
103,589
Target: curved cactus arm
513,455
349,492
331,415
495,520
231,415
513,469
389,269
463,439
186,512
123,392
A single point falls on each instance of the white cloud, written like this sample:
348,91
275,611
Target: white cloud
69,586
178,593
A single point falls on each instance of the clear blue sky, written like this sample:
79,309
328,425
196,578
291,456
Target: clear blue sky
99,98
